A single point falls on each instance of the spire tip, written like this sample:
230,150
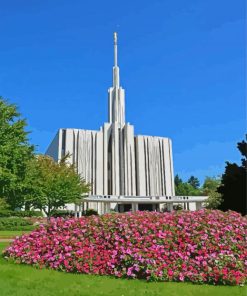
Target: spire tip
115,37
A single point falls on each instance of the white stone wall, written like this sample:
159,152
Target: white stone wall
140,165
129,161
53,148
154,166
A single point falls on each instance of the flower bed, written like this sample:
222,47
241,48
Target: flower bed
202,247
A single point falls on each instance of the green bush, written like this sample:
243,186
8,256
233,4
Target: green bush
6,213
9,213
90,212
63,214
15,223
28,214
178,207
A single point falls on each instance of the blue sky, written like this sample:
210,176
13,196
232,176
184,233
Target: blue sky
181,64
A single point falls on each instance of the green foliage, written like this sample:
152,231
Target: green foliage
6,213
10,213
71,214
62,213
185,189
15,152
50,185
194,182
30,181
177,180
90,212
3,204
11,234
242,147
178,207
233,184
190,188
15,223
210,187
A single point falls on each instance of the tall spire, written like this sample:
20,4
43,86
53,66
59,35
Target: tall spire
116,95
115,67
115,49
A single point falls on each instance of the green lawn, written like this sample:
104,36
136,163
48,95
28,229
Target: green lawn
21,280
11,233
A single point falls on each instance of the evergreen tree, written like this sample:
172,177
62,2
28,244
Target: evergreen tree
177,180
194,182
233,184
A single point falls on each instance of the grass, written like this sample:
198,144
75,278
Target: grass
11,233
20,280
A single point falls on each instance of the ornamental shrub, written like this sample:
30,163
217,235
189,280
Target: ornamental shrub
10,213
27,213
63,214
6,213
90,212
206,246
15,223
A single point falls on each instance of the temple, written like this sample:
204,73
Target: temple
118,164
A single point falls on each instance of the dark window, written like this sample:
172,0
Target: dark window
63,142
145,207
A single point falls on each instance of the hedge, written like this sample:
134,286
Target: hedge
62,214
15,223
9,213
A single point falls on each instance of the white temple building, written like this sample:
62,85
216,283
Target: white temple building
124,170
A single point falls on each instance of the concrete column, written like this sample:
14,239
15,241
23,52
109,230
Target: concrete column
170,206
108,207
80,211
134,207
198,205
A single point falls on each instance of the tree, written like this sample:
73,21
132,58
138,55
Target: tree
210,187
194,182
50,185
3,204
177,180
15,152
233,184
185,188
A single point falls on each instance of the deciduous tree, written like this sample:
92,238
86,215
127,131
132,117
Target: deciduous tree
15,152
50,185
210,187
185,188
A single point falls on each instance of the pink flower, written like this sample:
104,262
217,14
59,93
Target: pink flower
208,246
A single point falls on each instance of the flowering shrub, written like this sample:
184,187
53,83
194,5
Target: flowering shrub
202,247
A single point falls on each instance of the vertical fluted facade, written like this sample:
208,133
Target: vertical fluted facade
113,160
